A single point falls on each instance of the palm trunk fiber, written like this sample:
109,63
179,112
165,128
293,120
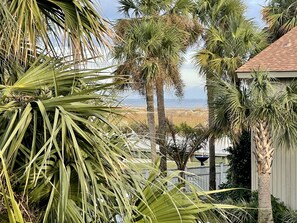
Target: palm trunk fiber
211,142
264,199
162,124
264,157
151,121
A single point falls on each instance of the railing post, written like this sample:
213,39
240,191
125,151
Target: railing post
221,172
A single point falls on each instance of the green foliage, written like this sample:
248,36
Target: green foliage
61,159
53,143
239,156
41,22
280,17
148,49
249,211
164,201
290,216
261,101
230,39
238,109
239,172
184,141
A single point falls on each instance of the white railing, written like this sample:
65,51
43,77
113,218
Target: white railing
200,175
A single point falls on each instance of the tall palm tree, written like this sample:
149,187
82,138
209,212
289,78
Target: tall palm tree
280,16
270,113
229,40
213,14
150,50
172,13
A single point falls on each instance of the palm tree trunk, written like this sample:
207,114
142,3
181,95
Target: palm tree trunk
264,199
211,142
212,163
161,123
151,121
264,157
182,175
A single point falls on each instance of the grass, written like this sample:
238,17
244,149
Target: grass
192,117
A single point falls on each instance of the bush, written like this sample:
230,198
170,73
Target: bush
239,173
249,211
290,216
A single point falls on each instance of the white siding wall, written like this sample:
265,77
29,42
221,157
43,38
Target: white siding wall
284,175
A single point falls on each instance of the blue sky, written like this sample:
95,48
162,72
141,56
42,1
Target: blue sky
194,84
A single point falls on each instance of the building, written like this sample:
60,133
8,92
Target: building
280,60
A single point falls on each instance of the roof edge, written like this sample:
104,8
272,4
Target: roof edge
273,74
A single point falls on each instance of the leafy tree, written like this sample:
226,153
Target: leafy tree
270,114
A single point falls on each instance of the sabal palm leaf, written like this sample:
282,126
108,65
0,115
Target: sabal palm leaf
42,73
162,201
150,48
143,8
230,109
227,48
280,16
236,108
215,12
56,24
72,166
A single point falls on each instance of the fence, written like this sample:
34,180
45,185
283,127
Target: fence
199,176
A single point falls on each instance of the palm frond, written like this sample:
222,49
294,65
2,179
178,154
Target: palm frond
48,21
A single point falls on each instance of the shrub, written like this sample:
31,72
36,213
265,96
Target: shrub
239,173
249,211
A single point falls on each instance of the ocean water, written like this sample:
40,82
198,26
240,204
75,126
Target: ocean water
169,103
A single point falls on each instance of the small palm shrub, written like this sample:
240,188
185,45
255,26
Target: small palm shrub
249,211
290,216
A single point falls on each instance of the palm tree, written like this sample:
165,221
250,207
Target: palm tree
53,142
280,16
270,113
229,40
171,13
151,50
213,15
134,77
182,149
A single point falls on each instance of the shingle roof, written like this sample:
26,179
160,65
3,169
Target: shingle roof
280,56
